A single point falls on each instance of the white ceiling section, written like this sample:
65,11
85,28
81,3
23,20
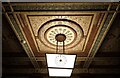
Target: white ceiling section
60,72
60,65
60,60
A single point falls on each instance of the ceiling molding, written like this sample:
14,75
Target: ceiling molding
59,6
21,38
106,26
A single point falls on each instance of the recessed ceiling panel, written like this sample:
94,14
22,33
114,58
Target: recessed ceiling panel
74,27
37,25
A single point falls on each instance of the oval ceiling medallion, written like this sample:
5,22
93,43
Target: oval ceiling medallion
72,32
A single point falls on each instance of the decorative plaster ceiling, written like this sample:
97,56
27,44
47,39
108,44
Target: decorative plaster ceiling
83,24
75,28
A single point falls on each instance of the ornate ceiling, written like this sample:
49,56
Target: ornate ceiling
74,27
84,25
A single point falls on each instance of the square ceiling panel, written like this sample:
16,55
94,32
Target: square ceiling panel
76,28
42,28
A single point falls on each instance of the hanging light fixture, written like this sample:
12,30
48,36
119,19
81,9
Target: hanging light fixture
60,65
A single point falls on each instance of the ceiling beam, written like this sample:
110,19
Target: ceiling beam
104,61
20,36
100,37
75,71
44,59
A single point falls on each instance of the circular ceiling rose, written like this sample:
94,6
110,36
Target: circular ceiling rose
51,33
66,30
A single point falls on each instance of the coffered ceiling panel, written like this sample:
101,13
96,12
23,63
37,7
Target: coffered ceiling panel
84,26
75,28
41,29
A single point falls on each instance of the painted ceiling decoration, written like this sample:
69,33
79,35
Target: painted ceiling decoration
84,25
45,32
